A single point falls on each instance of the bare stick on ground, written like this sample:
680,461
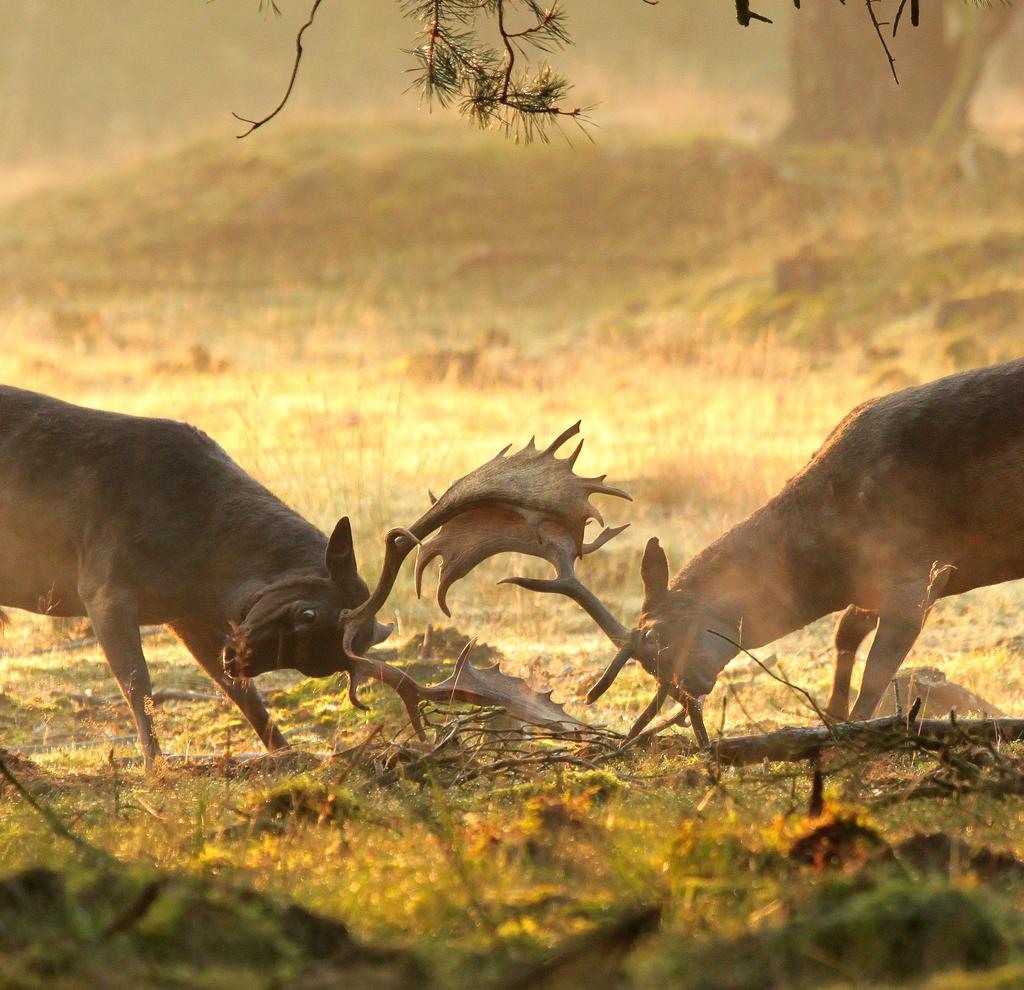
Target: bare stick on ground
789,745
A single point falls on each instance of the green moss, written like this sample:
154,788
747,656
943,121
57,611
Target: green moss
153,928
302,799
598,784
883,929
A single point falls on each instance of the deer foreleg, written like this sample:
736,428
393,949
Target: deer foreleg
854,625
244,694
206,648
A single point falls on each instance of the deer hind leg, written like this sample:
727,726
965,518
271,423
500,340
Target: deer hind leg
115,619
853,627
206,648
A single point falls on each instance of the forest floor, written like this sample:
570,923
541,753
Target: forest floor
357,317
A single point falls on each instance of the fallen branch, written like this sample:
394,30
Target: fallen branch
789,745
49,816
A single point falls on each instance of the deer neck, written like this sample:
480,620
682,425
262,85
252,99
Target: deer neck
773,573
259,543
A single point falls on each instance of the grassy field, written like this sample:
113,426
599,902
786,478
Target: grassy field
357,316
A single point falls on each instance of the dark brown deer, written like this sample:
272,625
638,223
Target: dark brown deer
913,496
134,521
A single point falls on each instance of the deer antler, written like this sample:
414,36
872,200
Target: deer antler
530,502
527,502
475,685
481,685
524,492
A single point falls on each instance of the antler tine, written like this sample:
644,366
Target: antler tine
399,681
649,712
619,661
691,710
606,534
398,544
563,436
598,487
353,695
442,693
463,658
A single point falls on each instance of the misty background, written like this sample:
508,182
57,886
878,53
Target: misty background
84,82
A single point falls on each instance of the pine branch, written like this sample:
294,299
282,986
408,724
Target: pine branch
493,87
496,87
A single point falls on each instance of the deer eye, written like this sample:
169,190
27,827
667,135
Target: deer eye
307,616
647,635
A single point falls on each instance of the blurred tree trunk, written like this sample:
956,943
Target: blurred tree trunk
842,88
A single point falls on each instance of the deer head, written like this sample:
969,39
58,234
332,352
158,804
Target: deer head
678,640
294,622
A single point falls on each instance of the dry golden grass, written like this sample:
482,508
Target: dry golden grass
699,442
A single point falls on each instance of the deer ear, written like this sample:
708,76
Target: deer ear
654,573
341,554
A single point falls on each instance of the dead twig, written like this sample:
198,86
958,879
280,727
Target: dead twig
254,124
781,678
877,24
49,816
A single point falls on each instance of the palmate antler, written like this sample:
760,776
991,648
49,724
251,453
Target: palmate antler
474,685
543,507
533,504
536,505
528,502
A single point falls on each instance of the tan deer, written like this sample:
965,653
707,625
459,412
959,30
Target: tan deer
929,475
